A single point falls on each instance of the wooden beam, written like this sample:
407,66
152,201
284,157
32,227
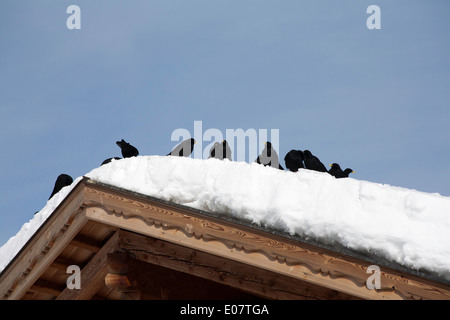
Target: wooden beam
48,242
118,262
61,264
162,283
86,244
237,243
197,237
47,287
263,251
117,281
118,276
250,279
319,266
93,274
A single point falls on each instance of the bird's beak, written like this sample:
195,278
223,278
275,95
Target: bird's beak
331,165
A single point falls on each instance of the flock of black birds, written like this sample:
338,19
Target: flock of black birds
294,159
184,149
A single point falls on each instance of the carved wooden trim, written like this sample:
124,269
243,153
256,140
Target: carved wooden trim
197,231
257,281
254,247
44,246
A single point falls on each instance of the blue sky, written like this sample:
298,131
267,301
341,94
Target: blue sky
373,100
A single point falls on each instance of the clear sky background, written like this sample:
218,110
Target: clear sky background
373,100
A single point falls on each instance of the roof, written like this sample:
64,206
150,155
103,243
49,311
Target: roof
405,226
114,235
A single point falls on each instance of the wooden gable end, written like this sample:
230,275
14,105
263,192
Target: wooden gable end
130,246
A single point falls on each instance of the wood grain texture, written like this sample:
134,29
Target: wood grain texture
171,236
93,274
256,281
59,229
254,247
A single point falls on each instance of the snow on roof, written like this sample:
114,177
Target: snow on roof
9,250
404,226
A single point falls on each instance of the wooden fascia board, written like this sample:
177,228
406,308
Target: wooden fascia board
251,246
257,281
44,246
92,276
181,225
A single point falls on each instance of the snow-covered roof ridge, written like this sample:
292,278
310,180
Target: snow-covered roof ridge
408,227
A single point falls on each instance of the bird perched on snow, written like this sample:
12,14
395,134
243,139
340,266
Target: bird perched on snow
312,162
294,160
226,150
128,150
221,151
337,172
212,151
62,181
183,149
347,172
109,160
269,157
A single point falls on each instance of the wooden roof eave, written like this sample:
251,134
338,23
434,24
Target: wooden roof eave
45,244
190,228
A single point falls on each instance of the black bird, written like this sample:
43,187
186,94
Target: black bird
109,160
337,172
226,150
347,172
183,149
294,160
62,181
269,157
128,150
221,151
213,150
312,162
